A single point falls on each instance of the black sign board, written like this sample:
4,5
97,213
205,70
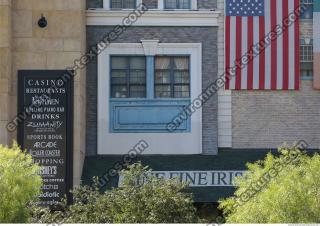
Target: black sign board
46,101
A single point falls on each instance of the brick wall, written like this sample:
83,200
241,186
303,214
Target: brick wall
208,38
266,119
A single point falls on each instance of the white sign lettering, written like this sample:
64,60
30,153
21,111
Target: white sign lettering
213,178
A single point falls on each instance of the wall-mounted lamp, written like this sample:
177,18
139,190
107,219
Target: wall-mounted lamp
42,22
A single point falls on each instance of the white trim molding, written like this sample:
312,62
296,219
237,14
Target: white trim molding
155,18
159,143
150,47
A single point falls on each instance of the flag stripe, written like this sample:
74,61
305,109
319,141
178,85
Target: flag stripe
291,50
232,49
256,59
285,44
250,44
227,51
262,55
244,50
267,84
297,50
273,9
280,49
238,50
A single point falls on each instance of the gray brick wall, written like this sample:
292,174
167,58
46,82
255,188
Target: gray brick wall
208,38
207,4
266,119
94,3
151,4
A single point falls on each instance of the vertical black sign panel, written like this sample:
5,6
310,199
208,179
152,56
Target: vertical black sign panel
45,101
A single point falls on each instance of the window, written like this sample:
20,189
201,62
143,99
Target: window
128,77
306,58
308,5
123,4
172,77
177,4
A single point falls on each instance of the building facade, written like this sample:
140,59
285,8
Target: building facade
152,59
236,126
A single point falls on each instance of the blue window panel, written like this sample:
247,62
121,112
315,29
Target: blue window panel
146,116
150,77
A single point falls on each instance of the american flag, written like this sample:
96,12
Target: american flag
270,67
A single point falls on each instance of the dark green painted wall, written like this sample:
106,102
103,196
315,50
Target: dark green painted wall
225,160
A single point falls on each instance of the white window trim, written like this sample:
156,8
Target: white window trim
159,143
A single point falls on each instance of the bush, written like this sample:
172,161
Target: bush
284,189
19,184
158,201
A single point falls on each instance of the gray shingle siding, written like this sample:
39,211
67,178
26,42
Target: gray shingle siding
206,36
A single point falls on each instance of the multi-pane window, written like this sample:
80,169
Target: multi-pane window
123,4
128,77
306,58
177,4
172,77
307,5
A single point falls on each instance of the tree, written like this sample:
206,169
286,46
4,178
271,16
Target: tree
279,189
157,201
19,184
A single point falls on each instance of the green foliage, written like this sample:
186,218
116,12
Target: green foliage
283,189
158,201
19,184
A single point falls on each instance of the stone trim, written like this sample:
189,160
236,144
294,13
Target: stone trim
155,18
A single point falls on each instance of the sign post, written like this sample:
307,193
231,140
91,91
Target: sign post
46,131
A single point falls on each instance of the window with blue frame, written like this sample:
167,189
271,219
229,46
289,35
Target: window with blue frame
123,4
128,77
147,92
172,77
308,6
177,4
306,59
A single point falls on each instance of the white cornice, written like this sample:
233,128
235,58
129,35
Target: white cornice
155,18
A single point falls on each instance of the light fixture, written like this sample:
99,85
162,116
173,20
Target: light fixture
42,22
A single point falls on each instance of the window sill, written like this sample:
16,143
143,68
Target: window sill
147,115
306,78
